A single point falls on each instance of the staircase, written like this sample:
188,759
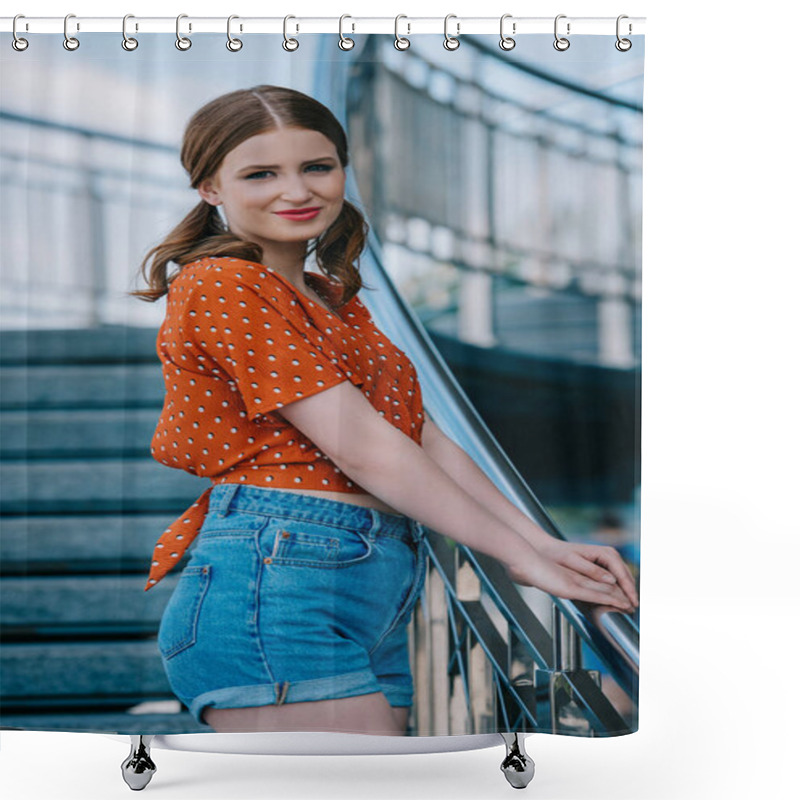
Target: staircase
82,504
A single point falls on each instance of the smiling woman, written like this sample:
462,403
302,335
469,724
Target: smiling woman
292,612
257,155
264,204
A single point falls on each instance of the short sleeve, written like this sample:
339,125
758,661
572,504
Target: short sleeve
240,334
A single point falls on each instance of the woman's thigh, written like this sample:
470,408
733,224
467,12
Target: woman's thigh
366,714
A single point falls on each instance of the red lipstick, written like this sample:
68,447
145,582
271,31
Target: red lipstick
300,214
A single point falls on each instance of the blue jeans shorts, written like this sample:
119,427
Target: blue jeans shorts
288,598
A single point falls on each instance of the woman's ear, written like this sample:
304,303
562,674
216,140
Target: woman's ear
207,190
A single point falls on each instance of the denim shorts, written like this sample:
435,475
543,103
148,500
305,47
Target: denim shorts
288,598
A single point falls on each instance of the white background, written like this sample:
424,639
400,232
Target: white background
719,712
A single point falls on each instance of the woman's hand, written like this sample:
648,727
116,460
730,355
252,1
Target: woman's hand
600,562
571,571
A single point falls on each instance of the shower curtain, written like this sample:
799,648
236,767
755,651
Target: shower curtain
502,189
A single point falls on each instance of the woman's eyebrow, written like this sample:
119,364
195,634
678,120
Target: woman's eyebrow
277,166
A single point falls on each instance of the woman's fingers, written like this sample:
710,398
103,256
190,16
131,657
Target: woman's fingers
612,561
589,568
557,578
601,593
598,562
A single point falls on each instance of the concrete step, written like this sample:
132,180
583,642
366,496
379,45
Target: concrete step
90,720
82,669
81,386
106,344
50,544
74,433
81,605
98,486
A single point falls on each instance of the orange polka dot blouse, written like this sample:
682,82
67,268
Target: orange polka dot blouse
238,343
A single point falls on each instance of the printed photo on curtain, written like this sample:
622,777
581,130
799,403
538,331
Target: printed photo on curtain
321,385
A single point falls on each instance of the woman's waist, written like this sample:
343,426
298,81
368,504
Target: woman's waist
325,483
324,507
366,500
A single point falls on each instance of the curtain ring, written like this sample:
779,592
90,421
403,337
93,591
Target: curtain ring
561,43
623,45
400,42
234,45
344,42
182,42
70,42
289,44
18,43
451,42
506,42
128,42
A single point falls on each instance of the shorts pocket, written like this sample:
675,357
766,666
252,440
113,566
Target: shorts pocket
178,628
316,545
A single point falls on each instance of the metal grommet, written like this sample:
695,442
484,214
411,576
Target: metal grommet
451,42
623,45
344,42
506,42
289,44
18,43
70,42
400,42
234,45
561,43
182,42
128,42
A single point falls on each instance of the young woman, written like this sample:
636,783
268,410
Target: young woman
291,613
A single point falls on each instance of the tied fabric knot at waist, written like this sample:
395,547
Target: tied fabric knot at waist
175,540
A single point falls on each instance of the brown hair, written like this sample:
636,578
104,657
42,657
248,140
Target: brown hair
212,132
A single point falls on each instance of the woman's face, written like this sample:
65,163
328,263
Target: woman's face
284,170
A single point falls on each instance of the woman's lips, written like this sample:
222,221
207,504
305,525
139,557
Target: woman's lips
300,215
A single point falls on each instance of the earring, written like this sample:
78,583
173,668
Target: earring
221,212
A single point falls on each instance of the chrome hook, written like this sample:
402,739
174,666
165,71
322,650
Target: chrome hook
289,44
70,42
234,45
400,42
182,42
451,42
344,42
623,45
128,42
506,42
18,43
561,43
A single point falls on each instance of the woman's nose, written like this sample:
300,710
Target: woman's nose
295,188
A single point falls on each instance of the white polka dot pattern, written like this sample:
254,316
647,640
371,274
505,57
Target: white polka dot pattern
238,343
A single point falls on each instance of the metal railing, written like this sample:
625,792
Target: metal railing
465,657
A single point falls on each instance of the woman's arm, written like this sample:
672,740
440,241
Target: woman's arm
466,473
392,467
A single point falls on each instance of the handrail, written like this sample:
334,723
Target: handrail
454,413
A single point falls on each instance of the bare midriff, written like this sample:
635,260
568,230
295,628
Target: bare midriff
368,500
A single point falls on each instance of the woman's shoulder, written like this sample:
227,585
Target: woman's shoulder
224,267
222,272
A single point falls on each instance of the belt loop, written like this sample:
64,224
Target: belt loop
417,530
376,523
227,499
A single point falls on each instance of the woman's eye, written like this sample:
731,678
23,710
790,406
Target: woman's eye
311,167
